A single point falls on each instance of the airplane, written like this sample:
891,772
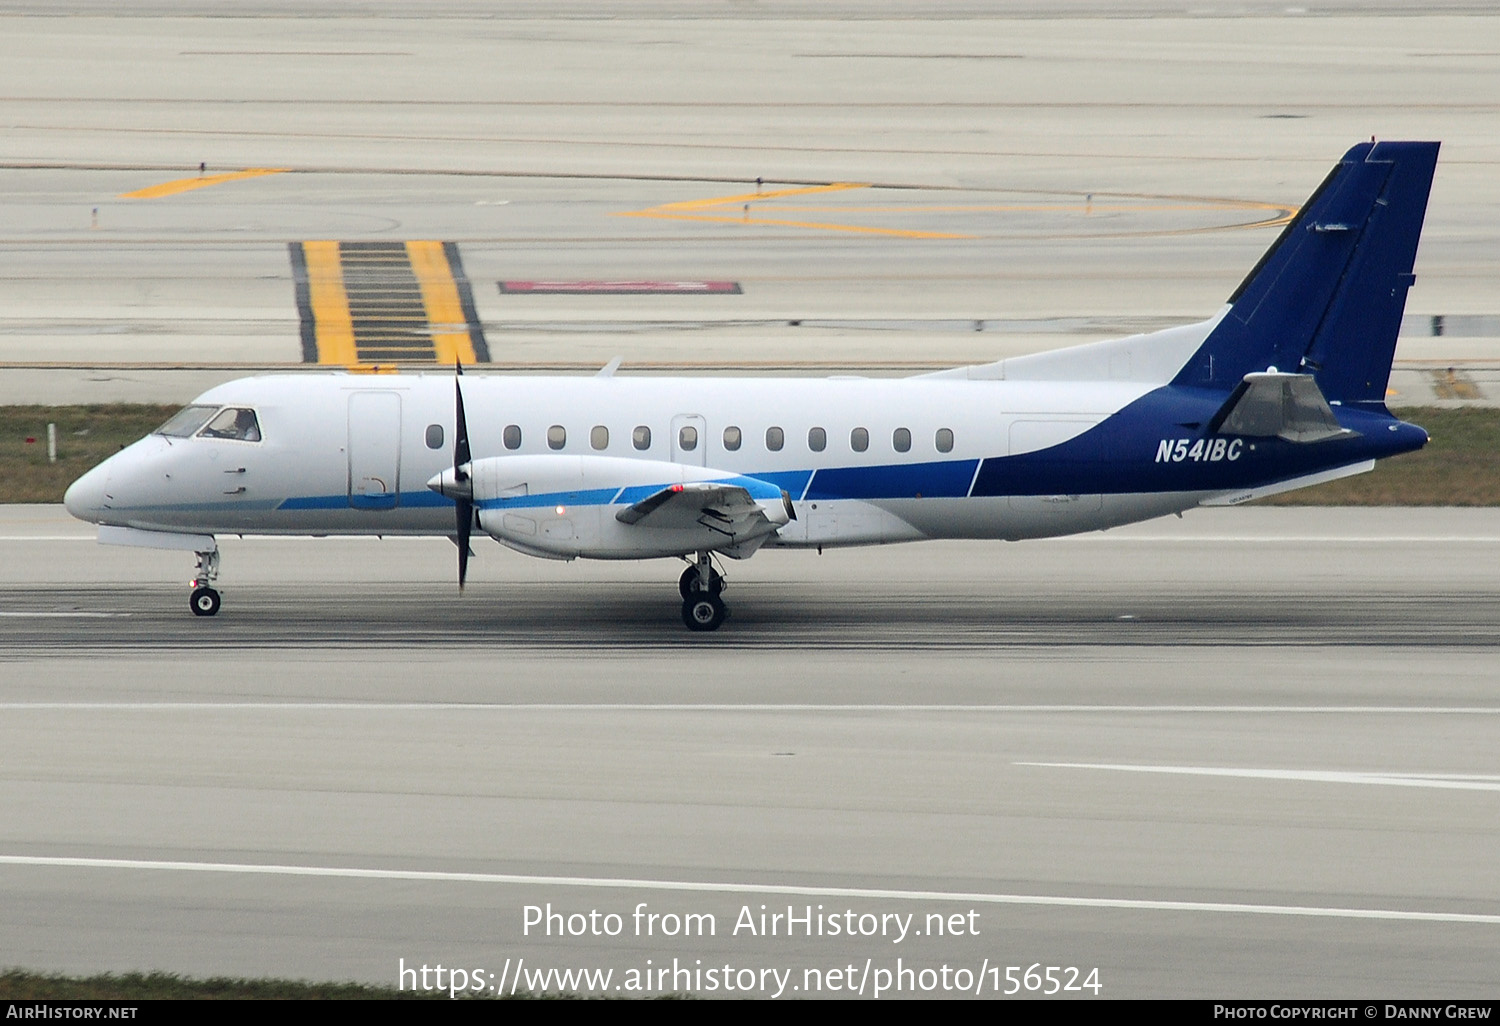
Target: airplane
1283,388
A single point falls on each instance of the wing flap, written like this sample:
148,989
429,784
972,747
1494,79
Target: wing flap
725,508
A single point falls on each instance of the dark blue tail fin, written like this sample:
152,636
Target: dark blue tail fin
1327,297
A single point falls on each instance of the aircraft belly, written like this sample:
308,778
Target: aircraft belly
1002,517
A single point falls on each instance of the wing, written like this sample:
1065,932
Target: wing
723,508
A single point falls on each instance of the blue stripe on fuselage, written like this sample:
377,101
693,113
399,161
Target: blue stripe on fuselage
942,479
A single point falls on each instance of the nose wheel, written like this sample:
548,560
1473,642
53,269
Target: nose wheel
205,600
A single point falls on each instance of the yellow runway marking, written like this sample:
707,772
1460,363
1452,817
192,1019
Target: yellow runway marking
375,304
200,182
450,328
330,303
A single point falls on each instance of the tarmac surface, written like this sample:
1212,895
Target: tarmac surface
1246,754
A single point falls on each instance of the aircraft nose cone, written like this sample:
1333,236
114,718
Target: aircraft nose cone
85,497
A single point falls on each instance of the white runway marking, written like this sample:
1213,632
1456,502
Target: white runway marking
431,876
1448,781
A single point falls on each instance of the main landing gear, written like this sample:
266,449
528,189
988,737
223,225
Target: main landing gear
205,600
700,585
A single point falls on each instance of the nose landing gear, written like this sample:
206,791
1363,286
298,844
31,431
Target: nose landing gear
205,600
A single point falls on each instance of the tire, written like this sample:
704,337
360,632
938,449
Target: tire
687,584
703,612
205,602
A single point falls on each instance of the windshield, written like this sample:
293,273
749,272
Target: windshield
235,422
186,420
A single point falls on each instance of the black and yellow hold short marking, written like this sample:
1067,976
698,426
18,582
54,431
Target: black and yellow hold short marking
385,302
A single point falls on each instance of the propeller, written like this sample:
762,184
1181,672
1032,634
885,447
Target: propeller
463,492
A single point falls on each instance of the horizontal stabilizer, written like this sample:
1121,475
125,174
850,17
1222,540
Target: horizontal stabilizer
1273,405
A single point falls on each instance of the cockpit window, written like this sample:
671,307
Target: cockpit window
233,422
186,420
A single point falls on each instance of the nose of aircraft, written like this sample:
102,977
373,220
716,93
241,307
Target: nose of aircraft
85,497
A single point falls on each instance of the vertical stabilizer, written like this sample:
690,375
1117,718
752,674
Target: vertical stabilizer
1328,296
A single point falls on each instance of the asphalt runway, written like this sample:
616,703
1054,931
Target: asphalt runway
1246,754
1274,779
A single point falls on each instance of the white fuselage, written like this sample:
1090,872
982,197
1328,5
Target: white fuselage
353,454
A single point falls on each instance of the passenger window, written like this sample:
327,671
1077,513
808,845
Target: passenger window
775,438
732,439
945,440
859,439
599,437
817,439
236,423
687,438
557,436
641,437
901,439
512,436
434,436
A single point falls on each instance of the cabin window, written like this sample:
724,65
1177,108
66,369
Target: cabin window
944,440
901,439
434,436
817,439
687,438
512,436
557,436
775,438
186,421
599,437
641,437
234,422
732,439
859,439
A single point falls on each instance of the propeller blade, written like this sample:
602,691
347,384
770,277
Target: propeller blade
465,522
461,428
464,507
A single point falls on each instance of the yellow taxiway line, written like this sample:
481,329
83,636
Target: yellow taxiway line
700,210
689,210
200,182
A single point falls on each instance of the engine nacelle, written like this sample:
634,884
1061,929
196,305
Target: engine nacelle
563,507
